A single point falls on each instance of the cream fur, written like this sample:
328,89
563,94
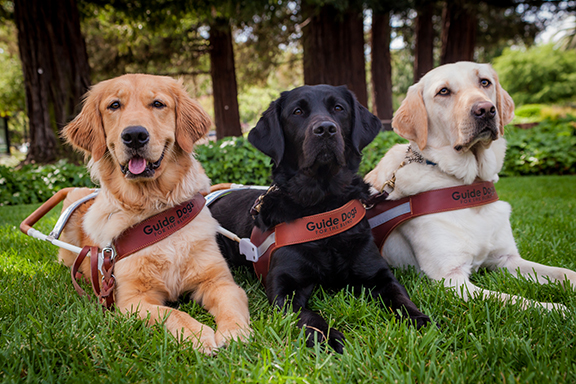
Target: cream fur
187,261
449,246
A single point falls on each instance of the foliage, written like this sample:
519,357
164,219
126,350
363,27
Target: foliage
546,149
33,184
234,160
49,334
541,74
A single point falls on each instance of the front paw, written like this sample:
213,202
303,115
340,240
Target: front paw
225,336
420,321
205,342
334,337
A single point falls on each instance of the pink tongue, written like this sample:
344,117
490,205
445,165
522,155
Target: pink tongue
137,165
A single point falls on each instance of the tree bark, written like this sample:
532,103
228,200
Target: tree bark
56,71
224,86
459,26
381,69
424,49
333,45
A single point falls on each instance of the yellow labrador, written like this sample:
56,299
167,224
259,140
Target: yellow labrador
454,118
140,132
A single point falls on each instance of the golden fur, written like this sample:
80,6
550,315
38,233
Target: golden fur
449,246
187,261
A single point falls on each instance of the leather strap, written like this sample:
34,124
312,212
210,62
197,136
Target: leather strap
157,227
303,230
144,234
388,214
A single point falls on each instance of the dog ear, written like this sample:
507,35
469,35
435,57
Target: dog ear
366,125
267,136
86,131
192,122
505,106
411,119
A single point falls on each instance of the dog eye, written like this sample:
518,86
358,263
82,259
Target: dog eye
444,92
158,104
338,108
114,105
297,112
485,83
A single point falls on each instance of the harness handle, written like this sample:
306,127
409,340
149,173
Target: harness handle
39,213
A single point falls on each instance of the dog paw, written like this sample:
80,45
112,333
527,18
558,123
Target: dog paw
334,338
225,336
205,342
420,321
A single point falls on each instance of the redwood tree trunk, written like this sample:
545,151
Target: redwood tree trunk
381,69
334,49
458,32
56,71
424,49
224,86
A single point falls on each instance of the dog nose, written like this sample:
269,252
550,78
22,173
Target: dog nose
135,137
325,128
484,109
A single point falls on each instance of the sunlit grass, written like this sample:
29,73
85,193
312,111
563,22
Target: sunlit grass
49,334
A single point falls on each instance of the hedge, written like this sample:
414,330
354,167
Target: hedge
547,149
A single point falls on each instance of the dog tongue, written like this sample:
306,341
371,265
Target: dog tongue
137,165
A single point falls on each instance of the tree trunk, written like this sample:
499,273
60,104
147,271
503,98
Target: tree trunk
56,71
458,32
334,49
424,49
381,69
224,86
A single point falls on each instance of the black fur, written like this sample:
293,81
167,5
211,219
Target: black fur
314,135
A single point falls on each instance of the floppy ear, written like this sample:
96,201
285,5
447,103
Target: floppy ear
86,131
505,107
411,119
192,122
366,125
267,136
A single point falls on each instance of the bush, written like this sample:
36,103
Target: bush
546,149
34,184
543,150
540,74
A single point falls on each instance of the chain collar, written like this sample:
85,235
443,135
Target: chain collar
411,157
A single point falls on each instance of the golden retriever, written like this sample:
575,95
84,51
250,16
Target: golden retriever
454,117
140,131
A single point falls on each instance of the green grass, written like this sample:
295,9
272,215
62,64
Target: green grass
49,334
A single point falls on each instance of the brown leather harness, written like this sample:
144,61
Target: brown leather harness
131,240
303,230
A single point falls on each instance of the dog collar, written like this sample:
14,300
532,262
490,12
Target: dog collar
386,215
416,157
303,230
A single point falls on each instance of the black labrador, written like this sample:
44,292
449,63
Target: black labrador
314,135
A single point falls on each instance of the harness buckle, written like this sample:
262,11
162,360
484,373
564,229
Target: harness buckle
249,250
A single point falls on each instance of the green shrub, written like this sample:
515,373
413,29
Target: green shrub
541,74
234,160
35,184
547,149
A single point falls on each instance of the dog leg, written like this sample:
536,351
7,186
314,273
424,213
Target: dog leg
386,289
180,324
228,303
315,326
542,273
466,290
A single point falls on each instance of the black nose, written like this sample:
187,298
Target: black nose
135,137
325,128
484,109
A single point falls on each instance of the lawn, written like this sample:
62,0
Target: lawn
49,334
